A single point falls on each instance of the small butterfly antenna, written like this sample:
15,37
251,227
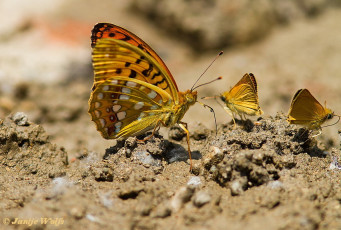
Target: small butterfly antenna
211,110
333,123
221,52
219,78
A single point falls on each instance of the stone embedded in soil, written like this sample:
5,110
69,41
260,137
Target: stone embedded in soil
20,119
238,186
130,143
194,181
147,159
78,212
213,157
275,184
182,196
201,198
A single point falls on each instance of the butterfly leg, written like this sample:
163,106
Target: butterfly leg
318,134
182,125
156,126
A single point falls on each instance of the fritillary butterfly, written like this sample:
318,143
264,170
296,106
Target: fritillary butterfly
133,90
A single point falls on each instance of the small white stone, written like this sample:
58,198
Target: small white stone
194,181
20,119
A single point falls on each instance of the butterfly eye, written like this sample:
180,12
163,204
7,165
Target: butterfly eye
223,98
329,116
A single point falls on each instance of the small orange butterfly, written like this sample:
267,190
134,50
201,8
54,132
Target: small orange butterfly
133,90
307,111
242,98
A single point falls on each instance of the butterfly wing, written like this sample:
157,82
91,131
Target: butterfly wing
107,30
243,97
306,110
132,91
113,57
125,107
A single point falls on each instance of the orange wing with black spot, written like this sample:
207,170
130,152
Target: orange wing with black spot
132,89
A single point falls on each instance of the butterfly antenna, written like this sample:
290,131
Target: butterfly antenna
221,52
333,123
211,110
219,78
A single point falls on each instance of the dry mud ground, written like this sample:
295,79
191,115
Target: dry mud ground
57,172
262,175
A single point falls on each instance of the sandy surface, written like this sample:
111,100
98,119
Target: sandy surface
59,173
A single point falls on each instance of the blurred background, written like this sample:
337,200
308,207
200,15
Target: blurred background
45,55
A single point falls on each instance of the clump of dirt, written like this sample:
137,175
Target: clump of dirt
254,154
26,149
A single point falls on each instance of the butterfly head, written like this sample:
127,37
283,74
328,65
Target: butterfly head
189,97
330,114
223,98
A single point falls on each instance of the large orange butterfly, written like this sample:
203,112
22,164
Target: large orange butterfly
133,91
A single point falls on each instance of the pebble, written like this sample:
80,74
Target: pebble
194,181
334,164
201,198
77,212
275,184
147,159
213,157
131,142
20,119
237,186
182,196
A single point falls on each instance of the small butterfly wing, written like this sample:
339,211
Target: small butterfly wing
306,110
123,107
107,30
243,96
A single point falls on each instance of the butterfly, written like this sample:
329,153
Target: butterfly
133,90
307,111
242,98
